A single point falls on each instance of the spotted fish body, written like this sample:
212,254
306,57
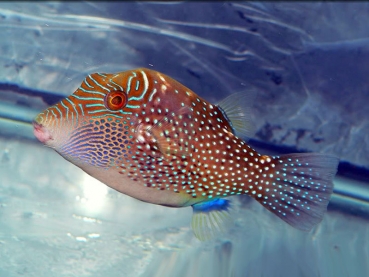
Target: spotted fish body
148,136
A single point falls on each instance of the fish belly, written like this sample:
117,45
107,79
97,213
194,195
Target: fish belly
141,192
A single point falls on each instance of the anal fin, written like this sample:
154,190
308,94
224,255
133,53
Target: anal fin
211,218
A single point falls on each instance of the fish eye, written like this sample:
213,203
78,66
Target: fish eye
115,100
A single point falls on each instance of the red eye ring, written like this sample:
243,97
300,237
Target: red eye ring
115,100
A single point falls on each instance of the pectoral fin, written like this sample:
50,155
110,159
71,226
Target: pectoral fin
237,109
173,133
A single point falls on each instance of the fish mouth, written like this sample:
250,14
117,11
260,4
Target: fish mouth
41,133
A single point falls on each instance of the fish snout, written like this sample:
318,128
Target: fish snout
41,133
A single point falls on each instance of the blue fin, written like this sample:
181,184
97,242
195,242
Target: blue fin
298,188
236,108
210,218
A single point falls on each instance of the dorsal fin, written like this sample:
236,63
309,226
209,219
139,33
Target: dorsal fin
237,109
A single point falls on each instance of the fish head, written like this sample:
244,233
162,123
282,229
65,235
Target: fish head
95,124
106,120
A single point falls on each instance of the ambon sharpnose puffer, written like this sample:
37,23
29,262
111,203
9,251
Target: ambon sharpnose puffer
146,135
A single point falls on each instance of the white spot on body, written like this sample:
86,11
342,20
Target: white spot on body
163,88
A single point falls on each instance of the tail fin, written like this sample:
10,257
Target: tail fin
297,188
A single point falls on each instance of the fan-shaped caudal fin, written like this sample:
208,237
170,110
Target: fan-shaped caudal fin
297,188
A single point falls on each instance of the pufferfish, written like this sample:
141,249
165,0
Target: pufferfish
148,136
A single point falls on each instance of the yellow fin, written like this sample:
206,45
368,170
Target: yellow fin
211,218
